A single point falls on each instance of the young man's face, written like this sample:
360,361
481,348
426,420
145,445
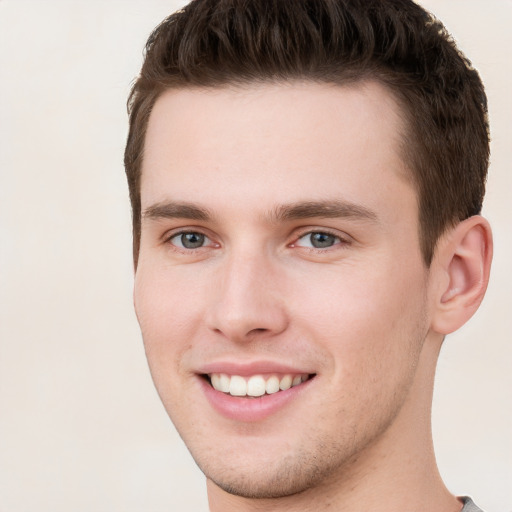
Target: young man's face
280,243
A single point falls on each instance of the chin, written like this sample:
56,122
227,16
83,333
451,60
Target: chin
262,490
277,477
276,484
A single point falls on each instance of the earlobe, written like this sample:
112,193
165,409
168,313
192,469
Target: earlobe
464,258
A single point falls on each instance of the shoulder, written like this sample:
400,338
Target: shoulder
469,506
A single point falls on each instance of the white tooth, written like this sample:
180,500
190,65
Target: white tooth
237,386
304,377
286,383
296,380
224,381
272,385
214,377
256,386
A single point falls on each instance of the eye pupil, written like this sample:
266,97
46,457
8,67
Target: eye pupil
192,240
320,240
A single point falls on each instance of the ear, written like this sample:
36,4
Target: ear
463,262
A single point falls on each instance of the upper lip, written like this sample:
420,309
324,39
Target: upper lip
245,369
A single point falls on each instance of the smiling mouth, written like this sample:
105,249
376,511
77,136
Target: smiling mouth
255,385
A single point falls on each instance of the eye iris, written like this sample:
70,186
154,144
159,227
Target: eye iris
321,240
192,240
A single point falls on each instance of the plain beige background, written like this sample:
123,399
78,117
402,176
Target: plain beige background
81,427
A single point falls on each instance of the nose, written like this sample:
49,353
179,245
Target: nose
247,301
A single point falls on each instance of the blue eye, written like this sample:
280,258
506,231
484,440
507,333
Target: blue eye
189,240
318,240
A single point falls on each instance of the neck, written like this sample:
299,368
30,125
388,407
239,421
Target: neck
397,473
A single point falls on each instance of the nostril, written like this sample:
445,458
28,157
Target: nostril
258,330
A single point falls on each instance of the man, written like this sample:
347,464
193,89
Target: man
306,179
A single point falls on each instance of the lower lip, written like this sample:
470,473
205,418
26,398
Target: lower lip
251,409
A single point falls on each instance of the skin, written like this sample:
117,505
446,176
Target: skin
363,314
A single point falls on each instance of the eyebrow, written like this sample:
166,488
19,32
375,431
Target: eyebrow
324,209
295,211
176,210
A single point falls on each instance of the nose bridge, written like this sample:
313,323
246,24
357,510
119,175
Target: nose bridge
247,300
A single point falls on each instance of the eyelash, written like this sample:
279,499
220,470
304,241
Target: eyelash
340,242
168,239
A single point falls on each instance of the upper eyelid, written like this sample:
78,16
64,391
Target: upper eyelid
170,233
328,231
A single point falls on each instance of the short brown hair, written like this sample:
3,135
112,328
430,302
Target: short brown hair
214,43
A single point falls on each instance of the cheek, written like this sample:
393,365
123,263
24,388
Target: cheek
370,321
372,333
168,315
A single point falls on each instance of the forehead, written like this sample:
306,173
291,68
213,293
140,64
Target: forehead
281,142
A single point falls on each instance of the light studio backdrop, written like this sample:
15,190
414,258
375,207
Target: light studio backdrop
81,427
